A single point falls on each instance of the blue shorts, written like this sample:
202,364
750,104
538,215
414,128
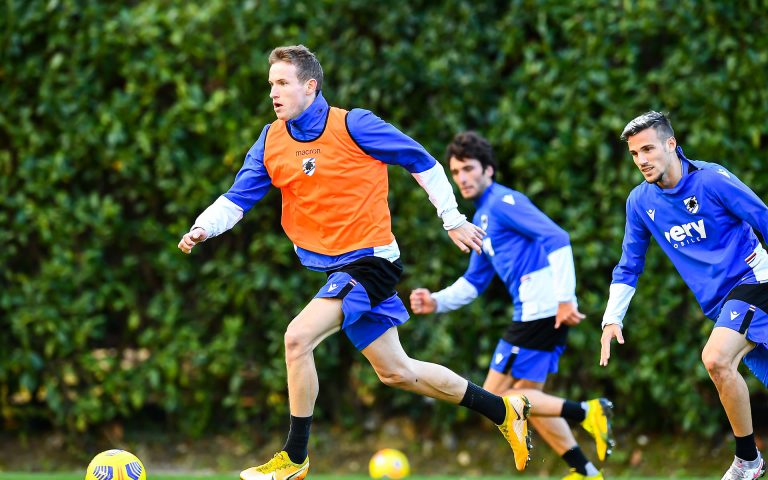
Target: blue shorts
363,323
744,311
525,363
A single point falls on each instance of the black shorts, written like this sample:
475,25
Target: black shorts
537,334
378,276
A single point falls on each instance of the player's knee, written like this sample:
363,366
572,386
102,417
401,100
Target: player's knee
715,362
296,345
397,377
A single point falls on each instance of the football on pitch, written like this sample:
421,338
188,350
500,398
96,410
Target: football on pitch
389,463
115,465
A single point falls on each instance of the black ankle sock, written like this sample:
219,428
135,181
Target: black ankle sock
573,411
745,447
483,401
298,438
576,460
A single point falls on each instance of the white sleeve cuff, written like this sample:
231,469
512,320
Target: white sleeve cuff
618,302
453,219
222,215
456,296
564,274
436,184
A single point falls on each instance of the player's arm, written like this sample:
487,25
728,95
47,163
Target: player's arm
625,276
389,145
251,184
516,212
463,291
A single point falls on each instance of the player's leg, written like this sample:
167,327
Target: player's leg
558,435
529,369
319,319
740,333
497,382
721,356
395,368
534,365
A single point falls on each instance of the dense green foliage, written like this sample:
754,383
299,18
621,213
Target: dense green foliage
121,121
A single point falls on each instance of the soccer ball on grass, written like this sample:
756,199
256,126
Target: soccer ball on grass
115,465
389,463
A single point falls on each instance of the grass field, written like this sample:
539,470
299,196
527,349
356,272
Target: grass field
234,476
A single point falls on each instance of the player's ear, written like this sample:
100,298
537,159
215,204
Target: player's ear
489,170
672,143
310,86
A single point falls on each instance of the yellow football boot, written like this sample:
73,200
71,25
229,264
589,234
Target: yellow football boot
598,424
279,468
515,428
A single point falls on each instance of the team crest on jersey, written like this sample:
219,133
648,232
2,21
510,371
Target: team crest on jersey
691,204
308,165
484,222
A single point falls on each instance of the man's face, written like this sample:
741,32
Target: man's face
469,176
290,97
653,156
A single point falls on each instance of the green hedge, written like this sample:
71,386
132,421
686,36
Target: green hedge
121,121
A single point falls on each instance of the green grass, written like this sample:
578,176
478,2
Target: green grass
233,476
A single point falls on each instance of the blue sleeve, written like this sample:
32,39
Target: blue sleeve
740,200
516,212
633,249
252,181
386,143
480,272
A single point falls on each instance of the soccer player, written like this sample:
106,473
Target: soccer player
331,168
532,256
703,218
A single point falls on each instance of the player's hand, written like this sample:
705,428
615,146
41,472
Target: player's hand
468,236
422,301
609,333
189,240
568,314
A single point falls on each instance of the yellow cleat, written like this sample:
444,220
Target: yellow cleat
598,424
515,428
279,468
577,476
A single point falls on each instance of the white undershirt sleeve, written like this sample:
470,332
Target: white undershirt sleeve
222,215
436,184
564,274
619,297
456,296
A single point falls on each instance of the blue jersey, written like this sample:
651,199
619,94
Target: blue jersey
705,225
516,248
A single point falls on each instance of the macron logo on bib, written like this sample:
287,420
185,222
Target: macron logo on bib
686,234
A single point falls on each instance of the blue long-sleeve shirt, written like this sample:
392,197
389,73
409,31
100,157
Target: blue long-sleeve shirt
520,246
705,225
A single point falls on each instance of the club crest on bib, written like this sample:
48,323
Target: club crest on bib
308,166
691,204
